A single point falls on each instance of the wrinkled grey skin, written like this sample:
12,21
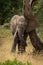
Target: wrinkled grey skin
18,27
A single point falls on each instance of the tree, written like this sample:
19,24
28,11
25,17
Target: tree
35,40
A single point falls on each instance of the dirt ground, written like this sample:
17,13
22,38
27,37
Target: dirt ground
6,54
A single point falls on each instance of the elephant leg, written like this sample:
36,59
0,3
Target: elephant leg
15,41
22,45
36,42
25,37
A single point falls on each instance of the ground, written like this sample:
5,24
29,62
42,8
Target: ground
6,40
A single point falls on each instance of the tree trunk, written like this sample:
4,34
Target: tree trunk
36,42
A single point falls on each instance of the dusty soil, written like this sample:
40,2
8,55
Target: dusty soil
6,54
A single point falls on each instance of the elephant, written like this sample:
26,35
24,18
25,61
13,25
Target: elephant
18,27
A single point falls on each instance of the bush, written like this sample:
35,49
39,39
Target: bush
15,62
6,25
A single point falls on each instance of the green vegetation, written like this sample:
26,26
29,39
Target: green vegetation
15,62
38,11
8,8
4,33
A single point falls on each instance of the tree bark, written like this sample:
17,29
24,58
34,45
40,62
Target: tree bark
36,42
32,24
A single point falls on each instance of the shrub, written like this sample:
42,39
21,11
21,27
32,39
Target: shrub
15,62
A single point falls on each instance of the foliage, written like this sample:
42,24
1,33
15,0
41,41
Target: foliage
15,62
38,10
4,33
8,8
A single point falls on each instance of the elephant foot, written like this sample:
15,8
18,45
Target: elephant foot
21,50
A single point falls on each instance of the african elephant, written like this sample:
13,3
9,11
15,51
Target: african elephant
18,27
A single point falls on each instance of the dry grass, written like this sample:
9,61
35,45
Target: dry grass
6,40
